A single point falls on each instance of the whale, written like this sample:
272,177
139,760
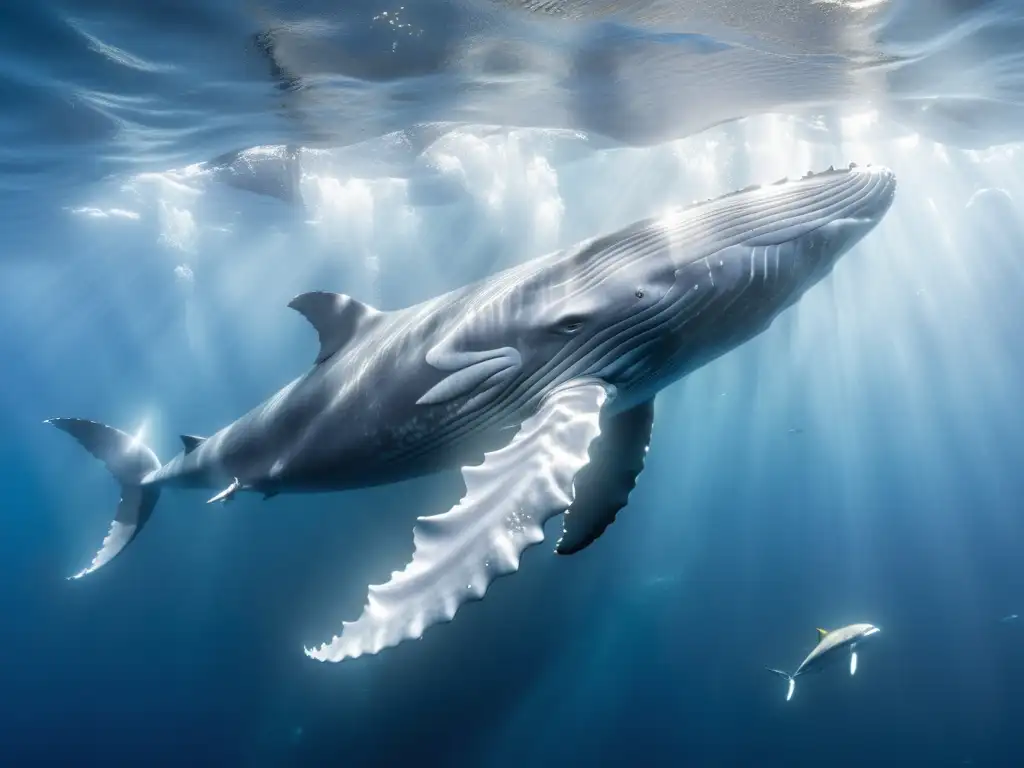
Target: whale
537,382
831,644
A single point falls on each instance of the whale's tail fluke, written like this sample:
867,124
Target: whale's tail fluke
129,461
787,676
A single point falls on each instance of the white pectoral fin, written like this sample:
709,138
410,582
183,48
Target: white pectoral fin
508,499
853,663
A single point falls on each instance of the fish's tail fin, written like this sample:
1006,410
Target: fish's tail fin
788,677
129,461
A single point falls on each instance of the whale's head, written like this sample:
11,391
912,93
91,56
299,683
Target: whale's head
658,299
647,304
810,222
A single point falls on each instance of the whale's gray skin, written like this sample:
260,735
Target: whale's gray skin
523,370
829,649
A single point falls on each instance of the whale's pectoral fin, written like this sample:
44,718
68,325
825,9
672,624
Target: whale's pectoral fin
508,499
603,485
336,317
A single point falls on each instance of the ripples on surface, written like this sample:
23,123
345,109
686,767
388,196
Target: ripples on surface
98,88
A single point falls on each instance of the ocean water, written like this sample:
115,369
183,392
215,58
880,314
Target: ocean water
172,173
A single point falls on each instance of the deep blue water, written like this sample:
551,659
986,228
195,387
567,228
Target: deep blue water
146,272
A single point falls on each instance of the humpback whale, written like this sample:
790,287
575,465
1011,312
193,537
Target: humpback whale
827,650
538,382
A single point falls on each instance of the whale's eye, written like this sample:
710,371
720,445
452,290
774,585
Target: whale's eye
571,324
639,293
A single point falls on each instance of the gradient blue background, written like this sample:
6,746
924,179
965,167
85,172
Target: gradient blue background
896,500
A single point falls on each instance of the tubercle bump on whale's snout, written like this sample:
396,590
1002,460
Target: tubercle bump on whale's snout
877,201
880,170
883,192
875,195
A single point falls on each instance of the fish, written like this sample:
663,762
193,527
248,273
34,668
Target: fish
831,644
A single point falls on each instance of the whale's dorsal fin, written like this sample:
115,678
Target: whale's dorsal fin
603,485
508,499
821,634
191,442
336,317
